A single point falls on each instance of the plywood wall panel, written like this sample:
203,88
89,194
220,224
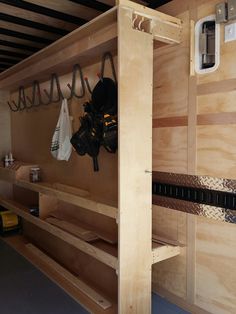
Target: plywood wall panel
169,224
32,133
216,103
171,73
213,285
170,97
215,261
170,149
216,151
171,274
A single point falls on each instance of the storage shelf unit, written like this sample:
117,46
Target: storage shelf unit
84,202
128,31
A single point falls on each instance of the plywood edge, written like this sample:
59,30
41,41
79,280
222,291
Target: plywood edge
75,281
81,245
162,252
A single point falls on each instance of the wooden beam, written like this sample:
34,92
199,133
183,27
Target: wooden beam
162,252
135,65
38,18
44,11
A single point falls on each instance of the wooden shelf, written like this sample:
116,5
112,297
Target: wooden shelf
161,252
74,226
93,250
83,202
78,289
18,170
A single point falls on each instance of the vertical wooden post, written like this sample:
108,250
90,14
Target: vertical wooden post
135,72
192,155
5,129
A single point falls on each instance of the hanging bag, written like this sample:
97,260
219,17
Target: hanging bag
61,147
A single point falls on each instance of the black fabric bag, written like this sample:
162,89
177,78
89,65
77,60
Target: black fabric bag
99,123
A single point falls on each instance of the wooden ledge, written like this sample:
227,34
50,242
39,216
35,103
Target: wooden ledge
92,250
161,252
80,201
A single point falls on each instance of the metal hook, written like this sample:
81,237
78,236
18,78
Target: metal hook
108,55
72,88
36,88
54,78
88,85
11,108
21,100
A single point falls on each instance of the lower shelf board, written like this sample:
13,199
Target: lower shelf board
79,290
75,281
76,230
161,252
103,255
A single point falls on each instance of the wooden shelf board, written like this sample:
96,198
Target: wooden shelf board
61,216
83,246
161,252
75,229
20,244
83,202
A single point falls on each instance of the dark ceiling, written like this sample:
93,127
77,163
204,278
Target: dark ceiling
28,26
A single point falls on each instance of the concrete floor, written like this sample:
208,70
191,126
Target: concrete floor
25,290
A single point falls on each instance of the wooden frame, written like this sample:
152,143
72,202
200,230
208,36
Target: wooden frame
132,28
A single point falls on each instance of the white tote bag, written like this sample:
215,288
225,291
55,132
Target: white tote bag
61,147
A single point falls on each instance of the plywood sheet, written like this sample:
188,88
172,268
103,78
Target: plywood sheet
216,103
215,266
170,149
171,274
216,151
170,97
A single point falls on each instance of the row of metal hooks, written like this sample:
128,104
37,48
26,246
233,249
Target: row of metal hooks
55,93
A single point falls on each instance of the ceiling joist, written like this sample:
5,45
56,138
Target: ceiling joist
31,24
44,11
